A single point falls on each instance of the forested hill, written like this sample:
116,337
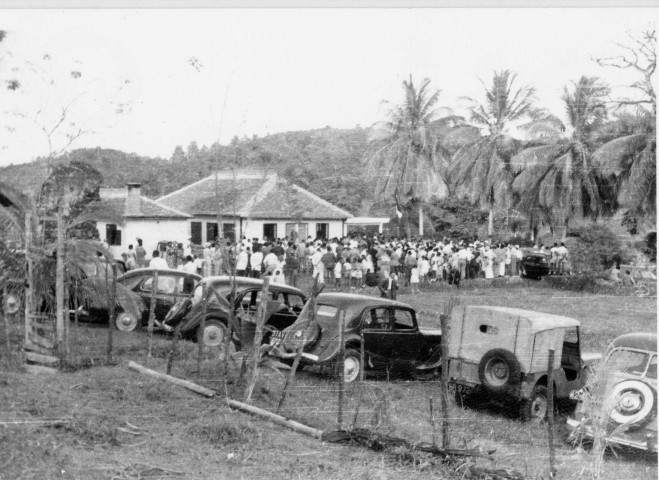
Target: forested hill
327,162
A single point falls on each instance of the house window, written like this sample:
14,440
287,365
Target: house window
321,230
211,231
195,233
269,231
229,231
112,234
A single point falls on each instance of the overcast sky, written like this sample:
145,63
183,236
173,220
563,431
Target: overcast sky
266,71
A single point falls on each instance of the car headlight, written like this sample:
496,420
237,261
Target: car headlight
298,334
12,304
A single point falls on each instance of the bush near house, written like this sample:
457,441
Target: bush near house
593,248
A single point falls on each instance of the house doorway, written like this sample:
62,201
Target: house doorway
269,231
321,230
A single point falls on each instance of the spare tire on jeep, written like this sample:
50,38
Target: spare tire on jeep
499,370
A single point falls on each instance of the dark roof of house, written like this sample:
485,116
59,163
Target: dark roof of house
251,194
115,208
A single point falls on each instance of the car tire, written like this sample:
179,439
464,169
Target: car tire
534,408
632,403
126,322
352,365
499,370
212,334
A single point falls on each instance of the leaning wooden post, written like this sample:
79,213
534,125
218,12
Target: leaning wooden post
59,287
550,414
444,319
29,295
113,302
361,359
152,307
342,359
432,424
200,338
6,315
258,337
300,349
174,351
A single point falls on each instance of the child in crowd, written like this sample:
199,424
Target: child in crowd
414,279
347,270
356,275
338,271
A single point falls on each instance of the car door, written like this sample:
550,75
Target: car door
407,341
378,336
165,294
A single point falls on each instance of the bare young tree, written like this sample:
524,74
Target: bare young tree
639,54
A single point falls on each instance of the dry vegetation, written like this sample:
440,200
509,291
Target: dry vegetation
120,424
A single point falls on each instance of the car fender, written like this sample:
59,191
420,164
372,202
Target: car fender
433,361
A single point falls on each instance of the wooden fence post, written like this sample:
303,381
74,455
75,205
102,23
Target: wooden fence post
550,414
432,424
342,359
258,337
200,339
152,308
5,313
113,302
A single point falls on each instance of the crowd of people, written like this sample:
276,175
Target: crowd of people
350,263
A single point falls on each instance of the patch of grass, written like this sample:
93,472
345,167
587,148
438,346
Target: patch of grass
226,433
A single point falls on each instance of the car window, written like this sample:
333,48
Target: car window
377,318
258,295
325,314
295,301
403,319
198,294
628,361
571,335
166,284
652,368
131,282
184,285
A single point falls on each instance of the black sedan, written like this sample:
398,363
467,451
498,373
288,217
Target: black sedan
535,265
393,341
173,285
284,305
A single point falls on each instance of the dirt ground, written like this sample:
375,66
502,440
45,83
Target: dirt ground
117,423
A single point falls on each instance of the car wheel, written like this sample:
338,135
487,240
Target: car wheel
498,370
632,403
352,366
127,322
534,408
212,334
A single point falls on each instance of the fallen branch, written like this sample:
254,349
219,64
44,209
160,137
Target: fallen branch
52,423
278,419
177,381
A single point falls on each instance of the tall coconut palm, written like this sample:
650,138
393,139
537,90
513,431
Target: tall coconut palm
630,162
482,168
402,153
559,179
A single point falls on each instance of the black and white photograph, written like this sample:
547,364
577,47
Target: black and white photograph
307,241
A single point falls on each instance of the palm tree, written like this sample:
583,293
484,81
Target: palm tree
403,151
630,162
559,179
481,169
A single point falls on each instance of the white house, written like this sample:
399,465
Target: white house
254,204
124,215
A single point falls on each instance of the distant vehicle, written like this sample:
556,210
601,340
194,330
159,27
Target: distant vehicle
173,285
392,338
284,305
503,353
534,265
625,387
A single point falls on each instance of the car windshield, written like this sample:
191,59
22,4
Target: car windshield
628,361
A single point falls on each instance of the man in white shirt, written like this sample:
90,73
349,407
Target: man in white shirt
318,267
270,262
241,262
158,262
256,263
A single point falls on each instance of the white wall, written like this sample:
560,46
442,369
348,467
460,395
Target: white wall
151,231
254,228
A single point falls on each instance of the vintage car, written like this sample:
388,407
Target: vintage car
284,305
392,338
621,399
173,285
534,265
502,353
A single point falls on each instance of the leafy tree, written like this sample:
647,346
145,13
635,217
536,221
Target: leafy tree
482,168
178,156
560,179
630,161
402,151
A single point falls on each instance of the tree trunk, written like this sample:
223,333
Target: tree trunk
420,220
112,321
409,224
29,295
59,288
490,224
564,235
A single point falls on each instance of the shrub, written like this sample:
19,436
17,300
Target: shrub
593,248
651,246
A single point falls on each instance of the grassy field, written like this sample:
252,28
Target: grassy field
125,425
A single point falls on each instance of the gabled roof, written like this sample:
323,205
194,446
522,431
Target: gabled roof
251,194
114,203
